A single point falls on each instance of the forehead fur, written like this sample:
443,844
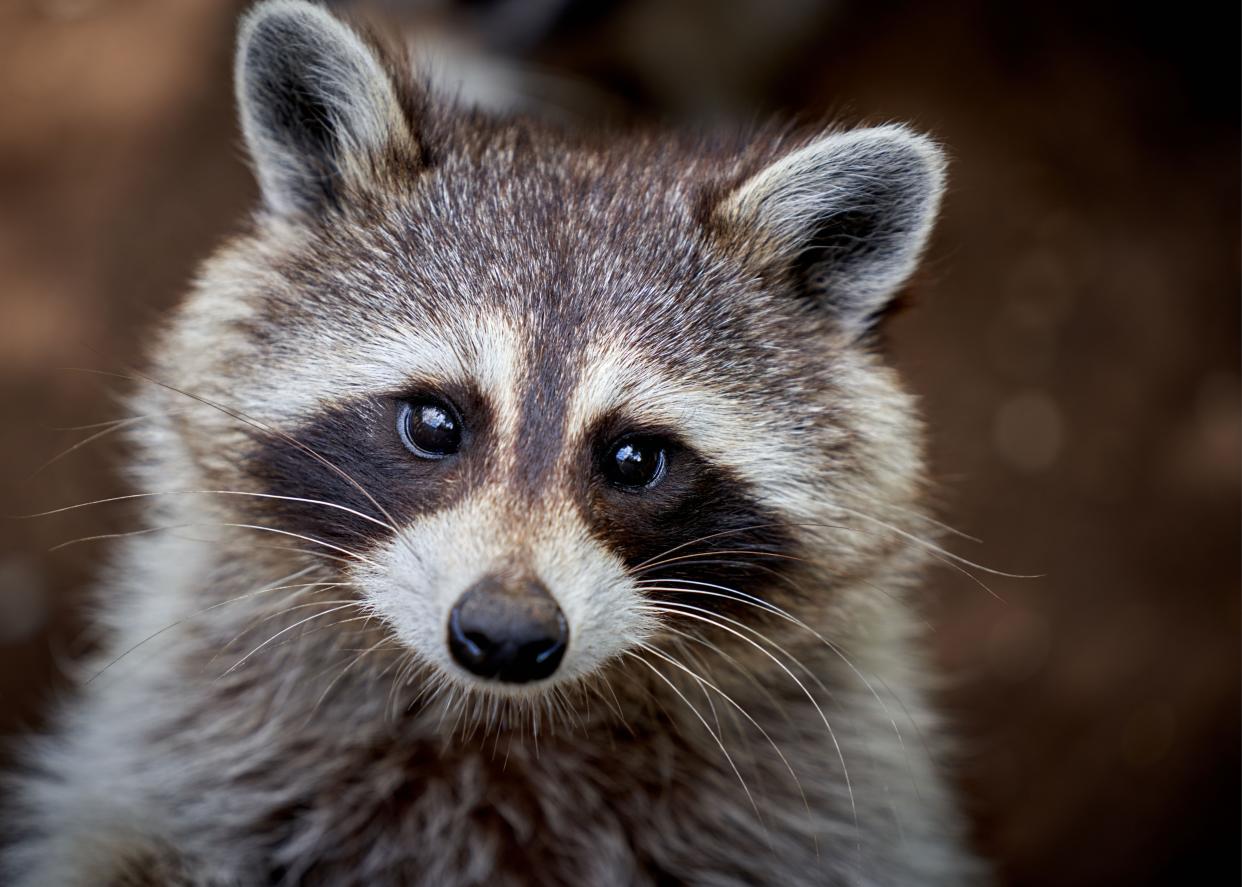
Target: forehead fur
572,247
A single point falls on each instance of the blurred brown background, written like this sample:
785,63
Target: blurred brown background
1076,344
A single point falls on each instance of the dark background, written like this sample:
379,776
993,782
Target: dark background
1075,341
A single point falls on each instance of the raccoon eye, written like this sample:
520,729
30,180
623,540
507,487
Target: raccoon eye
429,428
636,462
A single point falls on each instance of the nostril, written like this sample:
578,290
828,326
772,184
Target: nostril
468,647
546,652
508,637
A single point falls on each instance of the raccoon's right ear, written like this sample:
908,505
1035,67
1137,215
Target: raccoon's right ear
318,109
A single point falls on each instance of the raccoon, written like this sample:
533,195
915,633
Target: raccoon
520,506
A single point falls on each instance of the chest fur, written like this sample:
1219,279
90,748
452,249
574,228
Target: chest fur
596,809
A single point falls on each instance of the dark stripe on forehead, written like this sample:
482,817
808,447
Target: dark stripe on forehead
552,366
352,456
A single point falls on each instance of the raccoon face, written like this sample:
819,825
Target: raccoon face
544,400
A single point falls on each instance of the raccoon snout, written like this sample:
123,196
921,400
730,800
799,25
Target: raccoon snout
508,630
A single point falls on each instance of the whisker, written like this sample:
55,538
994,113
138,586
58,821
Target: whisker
719,551
208,524
836,650
197,613
136,376
302,551
703,681
319,629
432,688
831,733
938,524
91,426
130,496
336,623
751,630
712,733
318,555
145,531
399,664
444,709
312,539
737,666
937,551
245,658
931,546
362,655
112,427
607,682
284,611
709,536
268,617
708,558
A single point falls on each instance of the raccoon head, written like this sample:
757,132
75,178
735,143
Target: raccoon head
544,398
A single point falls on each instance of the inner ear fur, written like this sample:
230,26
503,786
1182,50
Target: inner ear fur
320,106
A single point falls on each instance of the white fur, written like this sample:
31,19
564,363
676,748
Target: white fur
429,566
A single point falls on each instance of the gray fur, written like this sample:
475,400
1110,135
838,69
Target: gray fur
571,281
862,203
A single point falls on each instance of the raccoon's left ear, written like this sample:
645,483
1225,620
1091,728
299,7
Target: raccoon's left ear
843,219
319,110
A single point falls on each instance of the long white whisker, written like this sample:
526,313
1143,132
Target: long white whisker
708,537
710,731
742,596
940,553
214,606
112,427
349,555
938,524
157,493
831,733
753,552
136,375
343,672
244,659
931,546
703,681
91,426
739,624
737,666
268,617
311,539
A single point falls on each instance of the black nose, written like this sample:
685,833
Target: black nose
507,630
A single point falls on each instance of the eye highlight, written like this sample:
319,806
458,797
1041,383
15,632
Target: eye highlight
636,462
429,427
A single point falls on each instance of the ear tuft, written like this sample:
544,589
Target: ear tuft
844,218
317,107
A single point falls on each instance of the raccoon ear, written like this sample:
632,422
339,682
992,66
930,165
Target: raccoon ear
844,218
318,109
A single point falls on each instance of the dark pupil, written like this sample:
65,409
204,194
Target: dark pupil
432,429
635,463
